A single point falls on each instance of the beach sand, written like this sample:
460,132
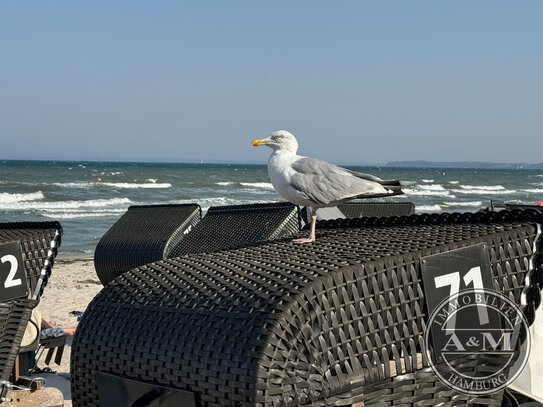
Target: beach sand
73,284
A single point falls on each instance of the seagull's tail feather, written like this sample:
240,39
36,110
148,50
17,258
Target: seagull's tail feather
394,187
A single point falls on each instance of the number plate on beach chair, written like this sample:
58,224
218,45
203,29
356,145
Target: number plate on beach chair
446,276
12,273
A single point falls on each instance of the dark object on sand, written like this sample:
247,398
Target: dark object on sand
77,314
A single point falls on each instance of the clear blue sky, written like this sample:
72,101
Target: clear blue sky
355,81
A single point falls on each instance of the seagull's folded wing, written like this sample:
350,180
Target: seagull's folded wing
325,184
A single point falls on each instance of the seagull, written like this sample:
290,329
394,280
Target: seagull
313,183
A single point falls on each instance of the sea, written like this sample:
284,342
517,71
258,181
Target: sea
88,197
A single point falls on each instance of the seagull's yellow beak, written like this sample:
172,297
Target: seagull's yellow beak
256,143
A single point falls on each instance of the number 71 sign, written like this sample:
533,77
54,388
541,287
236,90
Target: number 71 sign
445,275
12,273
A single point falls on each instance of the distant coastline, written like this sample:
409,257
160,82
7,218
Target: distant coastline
465,164
392,164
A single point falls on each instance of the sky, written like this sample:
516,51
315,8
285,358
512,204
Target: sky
356,82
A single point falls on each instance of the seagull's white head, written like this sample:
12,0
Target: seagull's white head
279,140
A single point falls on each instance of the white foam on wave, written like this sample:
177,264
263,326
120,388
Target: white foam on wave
122,185
533,190
266,185
467,204
485,191
427,180
7,198
81,185
483,187
129,185
433,187
454,182
428,208
82,210
81,215
48,206
416,192
110,173
258,185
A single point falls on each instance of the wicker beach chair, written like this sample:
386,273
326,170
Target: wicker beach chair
337,322
38,242
499,206
145,233
226,227
356,209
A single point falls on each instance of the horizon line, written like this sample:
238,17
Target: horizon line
390,164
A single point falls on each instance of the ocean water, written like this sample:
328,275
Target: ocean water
88,197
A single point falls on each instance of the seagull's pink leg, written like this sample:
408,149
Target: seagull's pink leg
312,232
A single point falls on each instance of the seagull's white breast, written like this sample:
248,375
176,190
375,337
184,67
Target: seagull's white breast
280,170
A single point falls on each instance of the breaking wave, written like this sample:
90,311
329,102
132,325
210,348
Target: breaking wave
7,198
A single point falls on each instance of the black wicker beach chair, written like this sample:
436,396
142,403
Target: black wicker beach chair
145,233
226,227
499,206
336,322
356,209
38,243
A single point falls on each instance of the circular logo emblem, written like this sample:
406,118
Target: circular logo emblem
479,341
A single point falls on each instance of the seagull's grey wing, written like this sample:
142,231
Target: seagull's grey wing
369,177
324,183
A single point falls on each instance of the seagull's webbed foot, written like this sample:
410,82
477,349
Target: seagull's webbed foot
303,240
312,232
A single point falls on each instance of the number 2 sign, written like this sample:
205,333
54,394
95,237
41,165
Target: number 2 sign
12,273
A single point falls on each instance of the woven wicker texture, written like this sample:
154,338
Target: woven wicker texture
145,233
226,227
377,209
518,206
336,322
39,243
